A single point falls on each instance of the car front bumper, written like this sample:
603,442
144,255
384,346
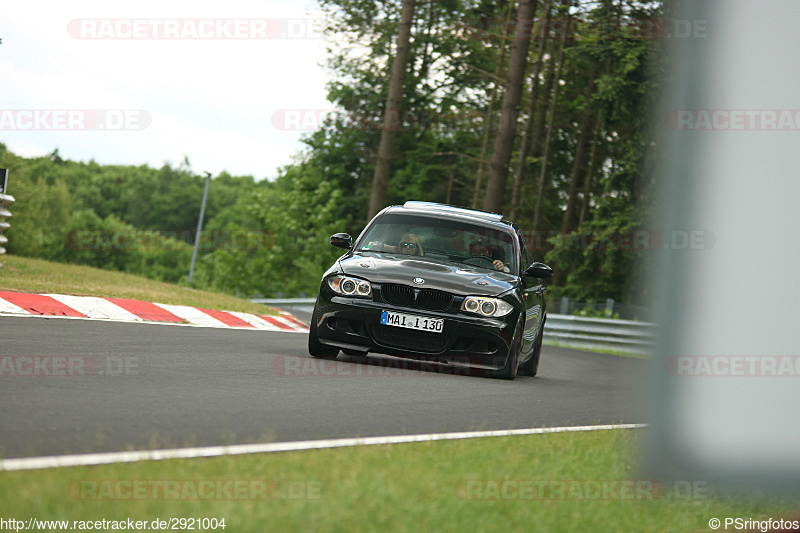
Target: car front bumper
471,341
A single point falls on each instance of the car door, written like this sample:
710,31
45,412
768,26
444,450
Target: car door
533,297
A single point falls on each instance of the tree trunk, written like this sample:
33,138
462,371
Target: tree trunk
450,181
391,116
487,130
489,117
551,124
541,112
587,184
577,163
504,141
526,134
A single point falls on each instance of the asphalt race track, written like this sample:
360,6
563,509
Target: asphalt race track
78,386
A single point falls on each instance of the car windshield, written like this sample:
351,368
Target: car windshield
439,238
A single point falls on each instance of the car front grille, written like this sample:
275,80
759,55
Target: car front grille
434,300
398,295
428,299
406,339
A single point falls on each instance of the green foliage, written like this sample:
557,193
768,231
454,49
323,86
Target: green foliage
596,312
98,242
289,251
604,258
272,237
132,219
114,245
41,214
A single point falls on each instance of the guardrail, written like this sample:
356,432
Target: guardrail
5,203
591,333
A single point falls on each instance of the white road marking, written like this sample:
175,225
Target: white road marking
193,315
95,307
257,322
8,307
283,320
90,459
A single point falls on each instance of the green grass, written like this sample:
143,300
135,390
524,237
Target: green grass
409,487
24,274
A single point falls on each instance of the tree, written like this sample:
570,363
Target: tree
577,172
551,124
489,115
391,118
504,141
533,115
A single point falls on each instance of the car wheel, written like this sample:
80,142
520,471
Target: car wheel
316,348
509,370
531,366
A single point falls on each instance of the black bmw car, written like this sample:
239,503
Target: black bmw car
437,283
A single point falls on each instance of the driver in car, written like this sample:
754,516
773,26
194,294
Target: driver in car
478,248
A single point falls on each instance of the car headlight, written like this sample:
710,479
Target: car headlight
486,306
350,286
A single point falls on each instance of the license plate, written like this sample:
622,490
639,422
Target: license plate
421,323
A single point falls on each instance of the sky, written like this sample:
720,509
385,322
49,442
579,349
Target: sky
154,82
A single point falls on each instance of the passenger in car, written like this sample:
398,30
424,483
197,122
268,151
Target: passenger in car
409,244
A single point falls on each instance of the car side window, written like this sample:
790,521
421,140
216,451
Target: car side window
526,252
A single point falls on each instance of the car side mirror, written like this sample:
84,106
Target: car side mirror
539,270
342,240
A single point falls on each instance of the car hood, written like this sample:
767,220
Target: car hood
454,278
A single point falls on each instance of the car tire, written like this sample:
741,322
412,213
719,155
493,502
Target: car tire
316,348
531,366
511,366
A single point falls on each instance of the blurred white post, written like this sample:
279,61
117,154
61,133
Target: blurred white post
724,392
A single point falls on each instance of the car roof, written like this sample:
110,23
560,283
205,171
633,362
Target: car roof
449,211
